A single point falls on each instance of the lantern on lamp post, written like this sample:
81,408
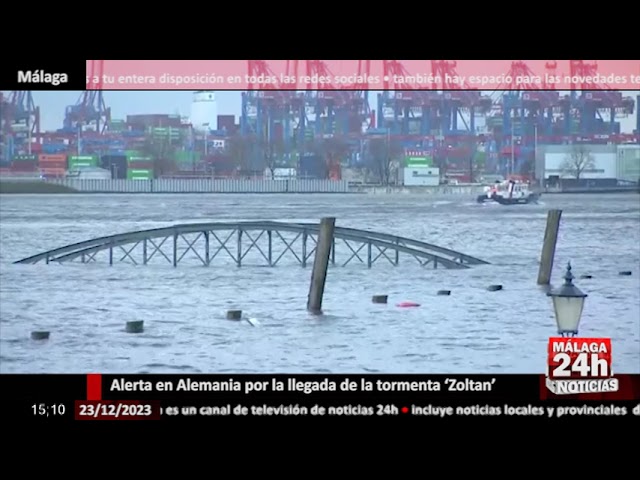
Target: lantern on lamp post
568,303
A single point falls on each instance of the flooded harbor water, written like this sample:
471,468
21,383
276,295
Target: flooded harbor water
85,307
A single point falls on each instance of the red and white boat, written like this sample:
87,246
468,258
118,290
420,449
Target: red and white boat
509,192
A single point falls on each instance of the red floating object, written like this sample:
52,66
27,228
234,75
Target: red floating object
407,304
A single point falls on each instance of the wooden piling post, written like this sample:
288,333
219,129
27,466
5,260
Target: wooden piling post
321,264
549,247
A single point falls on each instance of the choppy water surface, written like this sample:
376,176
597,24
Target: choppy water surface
86,306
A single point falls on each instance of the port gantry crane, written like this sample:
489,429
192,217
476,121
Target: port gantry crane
20,123
276,113
271,108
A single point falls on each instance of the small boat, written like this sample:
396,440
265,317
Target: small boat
509,192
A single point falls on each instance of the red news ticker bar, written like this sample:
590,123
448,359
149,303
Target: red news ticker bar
117,410
488,75
94,386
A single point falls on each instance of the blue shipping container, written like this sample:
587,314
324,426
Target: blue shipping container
53,148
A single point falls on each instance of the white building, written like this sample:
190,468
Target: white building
421,176
204,111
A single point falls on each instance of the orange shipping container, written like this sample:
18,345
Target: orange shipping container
52,158
53,164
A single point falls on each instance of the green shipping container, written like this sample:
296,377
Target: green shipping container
83,158
117,125
165,132
76,165
183,156
418,162
139,158
139,174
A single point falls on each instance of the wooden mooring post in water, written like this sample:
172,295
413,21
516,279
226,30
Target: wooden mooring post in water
549,247
321,264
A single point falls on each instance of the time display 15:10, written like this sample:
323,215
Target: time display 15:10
44,410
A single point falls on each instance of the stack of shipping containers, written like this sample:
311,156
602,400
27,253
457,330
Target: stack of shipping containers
171,135
52,166
116,126
25,164
139,166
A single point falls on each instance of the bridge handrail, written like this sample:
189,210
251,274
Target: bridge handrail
382,244
409,241
88,246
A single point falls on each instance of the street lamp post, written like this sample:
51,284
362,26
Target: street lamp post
206,138
568,303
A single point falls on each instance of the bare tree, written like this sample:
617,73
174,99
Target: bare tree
578,161
332,151
384,153
162,153
273,152
241,148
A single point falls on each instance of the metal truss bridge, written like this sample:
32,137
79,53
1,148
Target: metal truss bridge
252,243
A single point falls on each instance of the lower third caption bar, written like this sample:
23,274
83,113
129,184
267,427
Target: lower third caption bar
555,411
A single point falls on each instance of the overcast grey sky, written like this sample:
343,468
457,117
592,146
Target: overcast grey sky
52,104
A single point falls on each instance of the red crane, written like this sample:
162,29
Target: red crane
551,70
96,72
393,71
445,71
581,73
270,86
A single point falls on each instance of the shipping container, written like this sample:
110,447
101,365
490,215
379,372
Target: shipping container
53,172
84,158
139,174
48,158
79,164
421,162
116,164
117,126
312,166
186,156
24,167
154,120
25,158
54,148
227,122
165,132
52,163
140,165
